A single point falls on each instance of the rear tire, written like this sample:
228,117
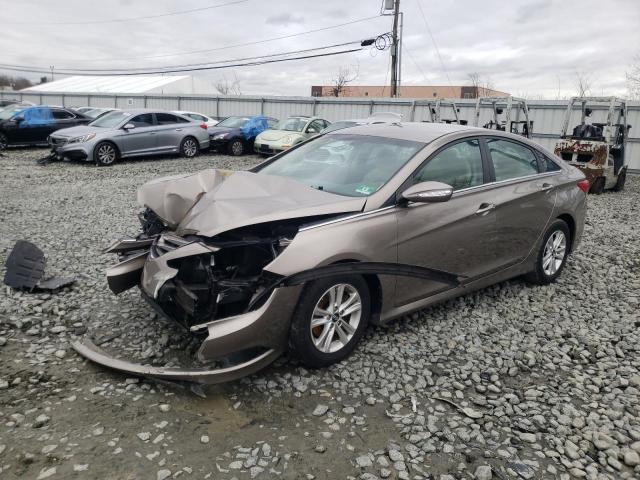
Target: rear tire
622,179
597,187
553,253
3,142
189,147
236,147
327,326
105,154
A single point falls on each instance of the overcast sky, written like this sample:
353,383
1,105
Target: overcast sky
534,48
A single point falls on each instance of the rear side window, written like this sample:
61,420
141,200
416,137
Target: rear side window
194,116
459,165
547,165
144,120
62,115
166,119
511,160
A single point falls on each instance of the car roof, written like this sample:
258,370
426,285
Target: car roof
424,132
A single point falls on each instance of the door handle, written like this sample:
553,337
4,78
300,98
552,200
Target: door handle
178,129
152,133
546,186
485,208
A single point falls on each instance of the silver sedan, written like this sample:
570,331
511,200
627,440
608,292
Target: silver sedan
130,133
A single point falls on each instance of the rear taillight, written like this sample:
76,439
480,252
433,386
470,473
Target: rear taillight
203,126
584,185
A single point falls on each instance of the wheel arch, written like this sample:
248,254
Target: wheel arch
109,141
375,289
571,223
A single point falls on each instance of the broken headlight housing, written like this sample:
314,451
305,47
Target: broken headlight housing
82,138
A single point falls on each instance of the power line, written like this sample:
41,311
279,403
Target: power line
435,45
194,67
116,71
404,48
132,19
256,42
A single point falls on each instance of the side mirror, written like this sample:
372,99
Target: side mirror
428,192
129,126
18,119
311,130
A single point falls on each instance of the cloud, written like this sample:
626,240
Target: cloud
523,47
284,20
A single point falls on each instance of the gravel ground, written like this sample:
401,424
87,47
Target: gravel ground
514,381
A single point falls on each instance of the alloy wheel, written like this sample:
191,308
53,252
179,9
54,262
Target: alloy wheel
189,148
237,148
335,318
106,154
554,253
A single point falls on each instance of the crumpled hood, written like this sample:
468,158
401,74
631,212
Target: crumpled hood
214,201
78,131
271,135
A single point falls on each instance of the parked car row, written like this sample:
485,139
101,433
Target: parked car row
104,135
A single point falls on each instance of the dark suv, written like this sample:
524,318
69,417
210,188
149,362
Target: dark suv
31,125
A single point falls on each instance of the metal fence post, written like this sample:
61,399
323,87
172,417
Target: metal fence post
371,107
413,111
179,103
145,101
261,105
217,107
115,101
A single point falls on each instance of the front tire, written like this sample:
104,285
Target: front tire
552,256
105,154
189,147
236,147
330,319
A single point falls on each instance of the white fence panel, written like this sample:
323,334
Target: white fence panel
547,115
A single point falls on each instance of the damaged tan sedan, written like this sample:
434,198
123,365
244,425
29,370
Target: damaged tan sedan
351,228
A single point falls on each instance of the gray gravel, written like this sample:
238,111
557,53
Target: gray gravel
514,381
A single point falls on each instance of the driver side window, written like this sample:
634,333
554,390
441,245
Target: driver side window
143,120
459,165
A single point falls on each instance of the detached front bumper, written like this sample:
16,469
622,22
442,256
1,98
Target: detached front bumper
72,151
248,343
244,343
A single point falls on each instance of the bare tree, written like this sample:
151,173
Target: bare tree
344,76
228,87
633,78
481,86
16,83
583,84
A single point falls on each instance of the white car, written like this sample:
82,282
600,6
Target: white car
199,117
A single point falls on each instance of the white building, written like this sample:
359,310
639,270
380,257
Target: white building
140,84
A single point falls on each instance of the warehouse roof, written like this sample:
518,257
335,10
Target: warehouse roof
111,84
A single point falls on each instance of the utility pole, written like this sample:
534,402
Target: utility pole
51,67
395,51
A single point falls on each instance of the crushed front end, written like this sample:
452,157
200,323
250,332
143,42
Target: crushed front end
207,286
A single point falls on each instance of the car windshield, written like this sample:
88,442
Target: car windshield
94,113
233,122
110,120
291,124
340,125
8,112
350,165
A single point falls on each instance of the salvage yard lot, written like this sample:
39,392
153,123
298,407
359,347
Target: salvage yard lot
527,381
